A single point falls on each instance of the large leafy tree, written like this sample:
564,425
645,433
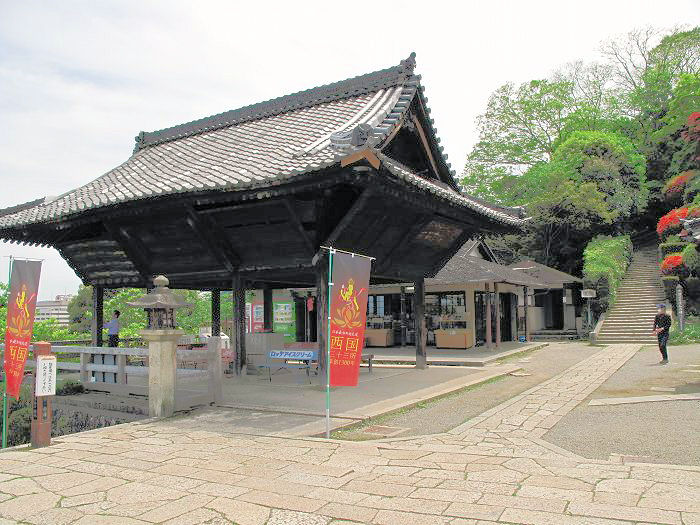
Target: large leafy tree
612,163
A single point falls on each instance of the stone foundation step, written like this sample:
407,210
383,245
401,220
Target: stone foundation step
627,340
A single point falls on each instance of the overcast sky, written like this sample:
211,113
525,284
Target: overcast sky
78,80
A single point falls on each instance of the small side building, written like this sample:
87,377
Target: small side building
557,306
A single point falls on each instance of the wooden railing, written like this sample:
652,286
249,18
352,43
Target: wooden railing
108,369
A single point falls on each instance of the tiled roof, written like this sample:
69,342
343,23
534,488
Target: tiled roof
545,274
464,268
261,145
503,214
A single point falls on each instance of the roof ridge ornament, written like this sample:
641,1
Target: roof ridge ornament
359,136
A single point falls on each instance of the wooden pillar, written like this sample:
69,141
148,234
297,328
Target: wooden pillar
267,309
239,321
322,313
421,329
488,316
497,298
527,329
216,313
97,315
402,323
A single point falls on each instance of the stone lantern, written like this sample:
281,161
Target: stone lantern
162,336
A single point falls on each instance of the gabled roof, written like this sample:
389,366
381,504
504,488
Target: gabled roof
551,276
268,144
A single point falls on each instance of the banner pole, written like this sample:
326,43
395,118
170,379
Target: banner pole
328,344
4,384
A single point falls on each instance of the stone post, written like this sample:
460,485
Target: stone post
680,307
162,369
121,367
215,368
40,426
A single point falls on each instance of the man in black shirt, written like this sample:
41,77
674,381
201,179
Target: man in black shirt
662,324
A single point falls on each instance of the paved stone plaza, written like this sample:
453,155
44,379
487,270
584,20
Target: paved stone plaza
493,469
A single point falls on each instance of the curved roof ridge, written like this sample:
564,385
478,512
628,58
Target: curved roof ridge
353,86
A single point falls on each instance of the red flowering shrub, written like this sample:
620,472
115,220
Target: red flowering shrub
675,186
673,265
671,222
692,131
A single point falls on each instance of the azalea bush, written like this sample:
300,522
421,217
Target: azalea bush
673,265
670,223
675,186
605,261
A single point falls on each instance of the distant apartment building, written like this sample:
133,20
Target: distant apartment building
56,309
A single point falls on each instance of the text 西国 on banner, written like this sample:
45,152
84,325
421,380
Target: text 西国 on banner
24,287
348,316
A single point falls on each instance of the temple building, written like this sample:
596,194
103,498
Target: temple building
246,199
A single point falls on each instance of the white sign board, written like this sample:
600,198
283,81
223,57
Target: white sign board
588,293
45,376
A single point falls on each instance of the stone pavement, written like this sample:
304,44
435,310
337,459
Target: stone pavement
493,469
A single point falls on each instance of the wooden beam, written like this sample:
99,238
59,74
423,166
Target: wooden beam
296,221
97,315
267,309
239,328
348,218
498,314
420,326
488,316
322,312
403,316
426,146
215,313
364,154
215,242
132,246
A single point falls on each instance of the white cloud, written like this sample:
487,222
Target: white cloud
78,80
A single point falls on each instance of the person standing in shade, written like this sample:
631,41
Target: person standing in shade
662,324
113,330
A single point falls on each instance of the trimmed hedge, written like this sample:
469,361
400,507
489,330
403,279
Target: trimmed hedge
671,246
605,261
670,282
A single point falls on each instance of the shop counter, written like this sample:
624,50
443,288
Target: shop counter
453,338
379,336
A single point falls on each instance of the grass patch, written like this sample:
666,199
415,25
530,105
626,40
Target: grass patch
519,355
690,335
354,432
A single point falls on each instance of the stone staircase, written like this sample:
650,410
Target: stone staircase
631,318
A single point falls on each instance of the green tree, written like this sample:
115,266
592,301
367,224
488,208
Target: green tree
612,163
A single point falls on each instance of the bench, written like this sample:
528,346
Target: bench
300,359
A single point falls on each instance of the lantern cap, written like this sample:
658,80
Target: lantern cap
160,297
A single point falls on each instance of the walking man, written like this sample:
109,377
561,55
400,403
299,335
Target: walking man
662,324
113,330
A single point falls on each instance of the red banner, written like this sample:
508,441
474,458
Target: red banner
21,303
348,312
